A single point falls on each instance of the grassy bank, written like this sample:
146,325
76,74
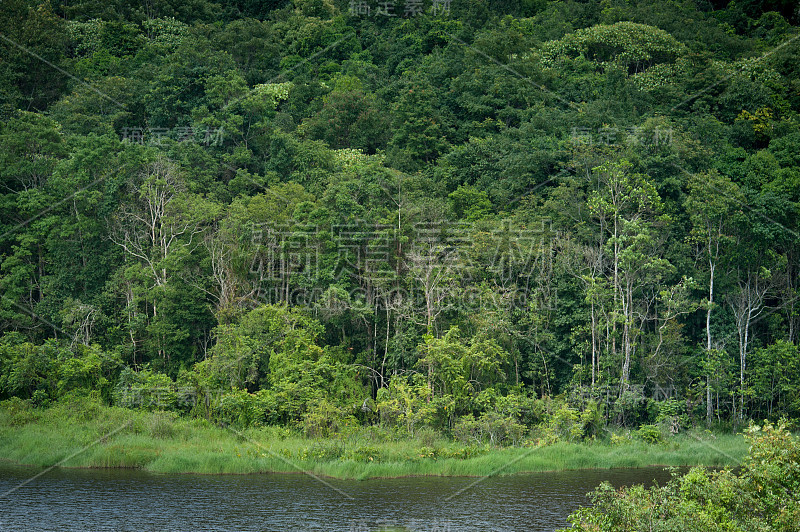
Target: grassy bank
100,436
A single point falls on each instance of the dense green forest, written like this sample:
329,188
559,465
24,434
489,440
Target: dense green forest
469,215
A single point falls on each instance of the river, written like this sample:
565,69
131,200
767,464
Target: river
82,499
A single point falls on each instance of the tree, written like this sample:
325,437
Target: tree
251,255
774,380
274,348
459,368
636,46
433,267
350,119
711,205
158,228
33,42
627,206
418,129
469,204
747,303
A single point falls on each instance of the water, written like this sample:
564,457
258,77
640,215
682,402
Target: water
72,499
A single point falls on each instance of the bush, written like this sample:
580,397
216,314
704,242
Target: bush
672,416
85,368
52,369
145,390
619,439
649,434
365,453
462,453
406,403
465,430
242,409
40,399
762,496
322,451
16,412
428,436
570,424
630,408
325,419
25,368
491,428
529,410
78,406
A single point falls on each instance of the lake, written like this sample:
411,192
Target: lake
82,499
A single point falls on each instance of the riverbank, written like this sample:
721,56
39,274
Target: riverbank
108,437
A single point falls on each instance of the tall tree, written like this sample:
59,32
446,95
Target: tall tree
158,228
711,205
631,205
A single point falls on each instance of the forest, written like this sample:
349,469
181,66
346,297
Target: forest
476,217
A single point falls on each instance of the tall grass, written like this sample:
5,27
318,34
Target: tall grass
162,443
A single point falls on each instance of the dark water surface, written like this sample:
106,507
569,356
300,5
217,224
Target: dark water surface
73,499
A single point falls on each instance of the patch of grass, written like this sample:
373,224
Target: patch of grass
163,443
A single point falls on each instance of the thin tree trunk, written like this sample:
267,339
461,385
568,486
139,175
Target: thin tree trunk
708,341
594,344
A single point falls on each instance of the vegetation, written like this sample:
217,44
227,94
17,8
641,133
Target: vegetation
761,496
501,223
167,443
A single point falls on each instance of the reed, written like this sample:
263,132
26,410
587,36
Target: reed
163,443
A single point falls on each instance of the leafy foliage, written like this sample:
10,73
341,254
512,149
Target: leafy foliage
758,497
512,222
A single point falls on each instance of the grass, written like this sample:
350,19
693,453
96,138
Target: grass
162,443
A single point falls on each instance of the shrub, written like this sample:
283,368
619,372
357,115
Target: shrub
428,436
529,410
649,434
364,453
406,403
619,439
325,419
570,424
462,453
240,408
491,428
466,430
40,399
145,390
762,496
630,408
78,406
672,416
17,412
322,451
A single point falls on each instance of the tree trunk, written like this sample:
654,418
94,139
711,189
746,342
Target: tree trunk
708,341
